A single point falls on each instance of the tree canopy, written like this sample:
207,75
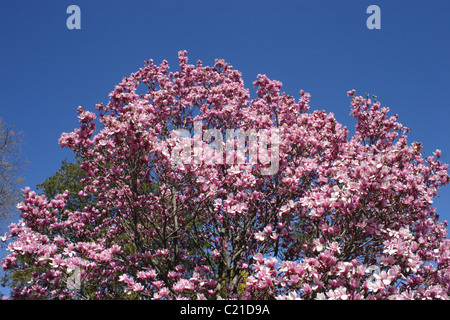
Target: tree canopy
11,162
197,191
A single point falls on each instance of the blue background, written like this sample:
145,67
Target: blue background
323,47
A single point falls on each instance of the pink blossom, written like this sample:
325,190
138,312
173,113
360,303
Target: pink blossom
137,287
271,262
259,258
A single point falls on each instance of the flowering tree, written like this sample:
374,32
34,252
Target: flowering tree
314,214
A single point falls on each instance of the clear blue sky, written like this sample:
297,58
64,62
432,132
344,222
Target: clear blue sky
323,47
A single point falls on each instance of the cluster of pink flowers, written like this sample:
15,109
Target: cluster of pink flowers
342,218
399,272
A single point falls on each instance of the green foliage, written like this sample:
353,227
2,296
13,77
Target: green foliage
68,177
